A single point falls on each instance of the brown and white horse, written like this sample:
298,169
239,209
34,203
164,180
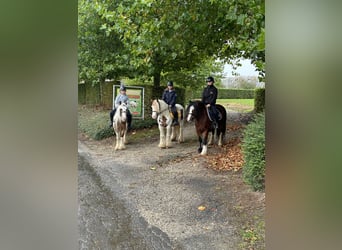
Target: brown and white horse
120,126
198,111
168,133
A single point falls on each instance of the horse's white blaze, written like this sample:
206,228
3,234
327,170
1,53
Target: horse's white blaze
191,110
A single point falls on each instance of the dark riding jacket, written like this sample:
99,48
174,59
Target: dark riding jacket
209,95
170,97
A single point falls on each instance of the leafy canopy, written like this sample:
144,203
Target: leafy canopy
163,38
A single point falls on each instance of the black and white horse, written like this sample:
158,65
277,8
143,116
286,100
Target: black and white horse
168,133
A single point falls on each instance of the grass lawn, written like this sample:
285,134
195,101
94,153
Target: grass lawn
239,105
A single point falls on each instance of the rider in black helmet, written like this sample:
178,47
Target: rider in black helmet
170,96
209,97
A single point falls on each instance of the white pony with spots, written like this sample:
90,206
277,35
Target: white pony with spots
120,126
168,133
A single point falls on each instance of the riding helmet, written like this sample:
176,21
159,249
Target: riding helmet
122,88
170,83
210,79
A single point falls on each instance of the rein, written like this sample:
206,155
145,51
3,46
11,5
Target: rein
158,113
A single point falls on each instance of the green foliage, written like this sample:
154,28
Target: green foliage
94,124
236,93
253,149
223,94
259,100
166,39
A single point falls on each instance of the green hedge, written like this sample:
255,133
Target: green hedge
235,93
223,94
259,100
253,149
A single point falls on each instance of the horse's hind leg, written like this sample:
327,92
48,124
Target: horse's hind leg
210,138
173,133
220,135
181,135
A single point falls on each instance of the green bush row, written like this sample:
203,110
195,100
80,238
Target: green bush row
253,150
224,94
259,100
235,93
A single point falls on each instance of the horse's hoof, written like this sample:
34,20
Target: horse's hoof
199,150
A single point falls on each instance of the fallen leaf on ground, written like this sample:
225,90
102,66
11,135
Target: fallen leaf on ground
201,208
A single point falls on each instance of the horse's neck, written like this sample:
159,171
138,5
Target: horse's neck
163,106
202,112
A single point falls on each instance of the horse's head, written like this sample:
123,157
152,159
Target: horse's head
122,112
155,108
191,111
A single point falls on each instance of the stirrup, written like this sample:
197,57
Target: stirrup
175,123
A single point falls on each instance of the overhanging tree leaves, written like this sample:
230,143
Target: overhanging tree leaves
162,38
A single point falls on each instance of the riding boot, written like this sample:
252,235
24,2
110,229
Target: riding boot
129,121
129,127
111,115
175,119
214,124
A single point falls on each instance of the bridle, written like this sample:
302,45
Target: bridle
191,113
123,110
158,113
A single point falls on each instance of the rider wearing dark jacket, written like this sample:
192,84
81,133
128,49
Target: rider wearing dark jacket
209,96
170,96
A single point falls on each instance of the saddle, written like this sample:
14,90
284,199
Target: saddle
178,112
211,115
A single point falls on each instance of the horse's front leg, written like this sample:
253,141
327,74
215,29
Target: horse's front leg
200,144
168,137
117,141
162,143
125,141
204,143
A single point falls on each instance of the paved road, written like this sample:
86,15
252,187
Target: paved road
105,222
148,198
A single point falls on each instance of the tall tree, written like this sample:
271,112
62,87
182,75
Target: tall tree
165,37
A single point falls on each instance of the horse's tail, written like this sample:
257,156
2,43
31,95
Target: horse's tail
223,121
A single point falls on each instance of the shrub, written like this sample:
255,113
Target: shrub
253,149
259,100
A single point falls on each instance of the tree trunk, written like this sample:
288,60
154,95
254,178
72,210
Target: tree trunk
156,79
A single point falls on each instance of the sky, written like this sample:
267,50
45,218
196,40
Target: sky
247,69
